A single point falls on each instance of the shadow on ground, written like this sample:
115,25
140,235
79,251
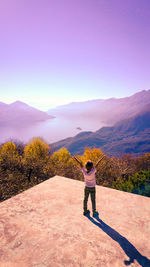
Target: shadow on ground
128,248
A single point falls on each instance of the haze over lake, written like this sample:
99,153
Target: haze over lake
23,122
51,130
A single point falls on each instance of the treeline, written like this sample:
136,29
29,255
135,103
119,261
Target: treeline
23,166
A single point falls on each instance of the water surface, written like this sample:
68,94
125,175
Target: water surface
51,130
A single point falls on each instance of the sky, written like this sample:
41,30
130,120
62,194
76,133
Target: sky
53,52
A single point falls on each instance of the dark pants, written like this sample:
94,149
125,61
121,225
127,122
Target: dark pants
92,192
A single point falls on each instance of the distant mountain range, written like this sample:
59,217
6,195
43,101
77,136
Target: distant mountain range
129,135
107,111
127,120
19,112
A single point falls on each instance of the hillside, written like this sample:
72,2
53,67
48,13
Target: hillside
44,226
108,111
127,136
19,112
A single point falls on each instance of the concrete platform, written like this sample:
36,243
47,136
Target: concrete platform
45,227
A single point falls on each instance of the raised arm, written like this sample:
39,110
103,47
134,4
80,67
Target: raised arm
78,161
99,161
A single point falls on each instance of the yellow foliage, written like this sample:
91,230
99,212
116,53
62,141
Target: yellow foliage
36,150
9,148
60,156
9,157
91,154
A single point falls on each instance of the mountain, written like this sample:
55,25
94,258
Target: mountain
107,111
19,112
130,135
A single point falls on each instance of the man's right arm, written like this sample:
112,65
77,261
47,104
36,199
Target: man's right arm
78,161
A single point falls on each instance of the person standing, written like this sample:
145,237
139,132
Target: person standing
90,184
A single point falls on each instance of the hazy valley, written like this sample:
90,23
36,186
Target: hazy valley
115,125
127,136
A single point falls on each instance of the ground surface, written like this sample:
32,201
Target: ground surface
45,227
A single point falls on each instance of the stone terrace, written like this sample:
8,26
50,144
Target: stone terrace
45,227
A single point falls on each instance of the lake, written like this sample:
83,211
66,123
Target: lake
51,130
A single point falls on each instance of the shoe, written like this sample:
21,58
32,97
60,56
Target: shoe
86,212
95,213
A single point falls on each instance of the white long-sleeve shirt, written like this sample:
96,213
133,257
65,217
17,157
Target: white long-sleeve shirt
89,178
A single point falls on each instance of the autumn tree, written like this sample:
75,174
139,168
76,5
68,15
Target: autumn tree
10,162
64,165
59,161
91,154
36,159
9,157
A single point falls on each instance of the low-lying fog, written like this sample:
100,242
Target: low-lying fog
51,130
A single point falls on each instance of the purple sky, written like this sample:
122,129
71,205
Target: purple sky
54,52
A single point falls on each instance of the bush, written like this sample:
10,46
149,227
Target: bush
138,183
